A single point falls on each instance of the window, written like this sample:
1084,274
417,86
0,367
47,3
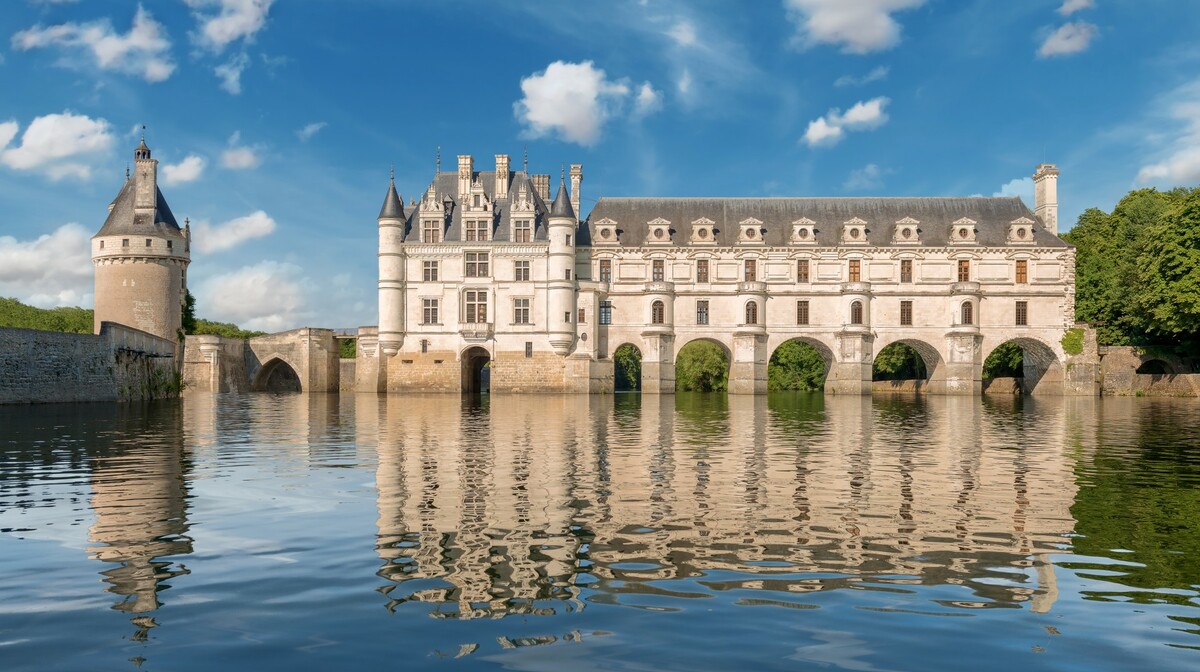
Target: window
476,306
102,244
429,311
856,313
702,312
147,242
124,242
906,270
520,311
656,272
581,318
431,231
751,271
752,312
521,271
906,313
657,312
802,312
477,264
605,312
477,230
1022,313
429,271
568,274
528,349
606,270
568,240
702,270
968,313
964,270
169,245
522,231
424,346
475,201
567,317
802,270
1022,271
855,270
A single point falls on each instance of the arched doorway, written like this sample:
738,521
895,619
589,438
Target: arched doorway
905,364
1027,362
627,369
702,366
276,376
476,378
799,365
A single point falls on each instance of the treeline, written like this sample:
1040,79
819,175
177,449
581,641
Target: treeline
13,313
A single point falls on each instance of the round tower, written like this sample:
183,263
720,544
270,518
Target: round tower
141,256
560,269
391,271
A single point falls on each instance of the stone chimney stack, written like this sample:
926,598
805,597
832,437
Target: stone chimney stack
501,190
1045,189
542,184
576,179
466,171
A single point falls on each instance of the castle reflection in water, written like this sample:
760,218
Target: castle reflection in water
539,505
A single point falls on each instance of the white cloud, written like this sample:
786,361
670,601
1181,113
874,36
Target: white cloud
234,20
647,101
867,177
267,296
683,32
858,26
143,51
214,238
58,145
230,73
1069,7
1022,187
875,75
188,170
305,134
1180,163
685,82
52,270
1070,38
569,100
238,156
829,130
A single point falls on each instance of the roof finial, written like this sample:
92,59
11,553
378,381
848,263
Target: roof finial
562,173
143,132
393,171
127,172
525,165
439,161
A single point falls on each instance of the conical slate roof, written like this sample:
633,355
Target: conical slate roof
393,205
562,204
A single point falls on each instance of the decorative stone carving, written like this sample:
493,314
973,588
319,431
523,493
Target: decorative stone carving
854,231
962,231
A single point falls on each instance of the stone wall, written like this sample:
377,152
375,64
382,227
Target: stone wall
1119,376
433,371
347,380
214,364
119,364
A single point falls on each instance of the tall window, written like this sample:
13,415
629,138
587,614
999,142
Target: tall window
522,231
702,312
476,306
906,270
520,311
605,312
701,270
802,312
751,271
964,270
429,271
751,312
431,231
477,230
477,264
656,270
1022,271
581,316
606,270
521,271
856,313
968,313
802,270
657,313
1022,313
855,270
429,311
906,313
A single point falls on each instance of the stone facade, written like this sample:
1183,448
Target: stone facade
483,267
300,360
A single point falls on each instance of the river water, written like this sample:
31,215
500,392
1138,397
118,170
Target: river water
631,533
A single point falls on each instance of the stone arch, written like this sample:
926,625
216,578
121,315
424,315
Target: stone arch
476,378
277,375
823,349
705,339
931,357
1156,367
620,382
1041,365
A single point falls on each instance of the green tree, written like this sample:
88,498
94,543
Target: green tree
1006,361
189,312
627,365
1168,274
702,366
796,366
348,348
13,313
898,362
226,329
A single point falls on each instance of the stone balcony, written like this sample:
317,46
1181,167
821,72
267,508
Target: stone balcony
961,288
659,287
475,331
856,288
752,287
758,329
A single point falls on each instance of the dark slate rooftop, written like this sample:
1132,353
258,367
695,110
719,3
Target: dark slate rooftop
446,185
123,221
393,206
562,204
936,215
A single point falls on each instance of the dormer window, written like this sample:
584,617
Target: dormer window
1020,231
659,231
804,231
702,232
751,230
963,231
606,232
854,231
906,232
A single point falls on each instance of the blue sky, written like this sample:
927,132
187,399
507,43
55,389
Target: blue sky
276,121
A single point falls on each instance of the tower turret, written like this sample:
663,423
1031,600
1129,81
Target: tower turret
141,256
392,222
560,268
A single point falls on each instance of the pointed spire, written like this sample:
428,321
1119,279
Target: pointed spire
393,205
438,168
143,150
562,203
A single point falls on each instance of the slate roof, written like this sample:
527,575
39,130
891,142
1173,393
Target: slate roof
393,206
936,215
446,185
562,204
124,221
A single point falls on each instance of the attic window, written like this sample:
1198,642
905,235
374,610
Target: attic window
1020,233
147,242
475,201
658,233
703,233
906,232
963,233
124,242
854,233
803,233
169,244
605,233
750,233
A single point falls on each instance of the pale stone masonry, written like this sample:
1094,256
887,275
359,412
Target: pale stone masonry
483,280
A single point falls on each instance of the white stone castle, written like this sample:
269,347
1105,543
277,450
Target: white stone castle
484,282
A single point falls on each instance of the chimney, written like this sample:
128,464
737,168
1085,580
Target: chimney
466,171
1045,189
542,184
576,178
501,190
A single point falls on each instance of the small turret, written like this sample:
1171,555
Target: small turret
562,203
393,205
392,222
560,268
